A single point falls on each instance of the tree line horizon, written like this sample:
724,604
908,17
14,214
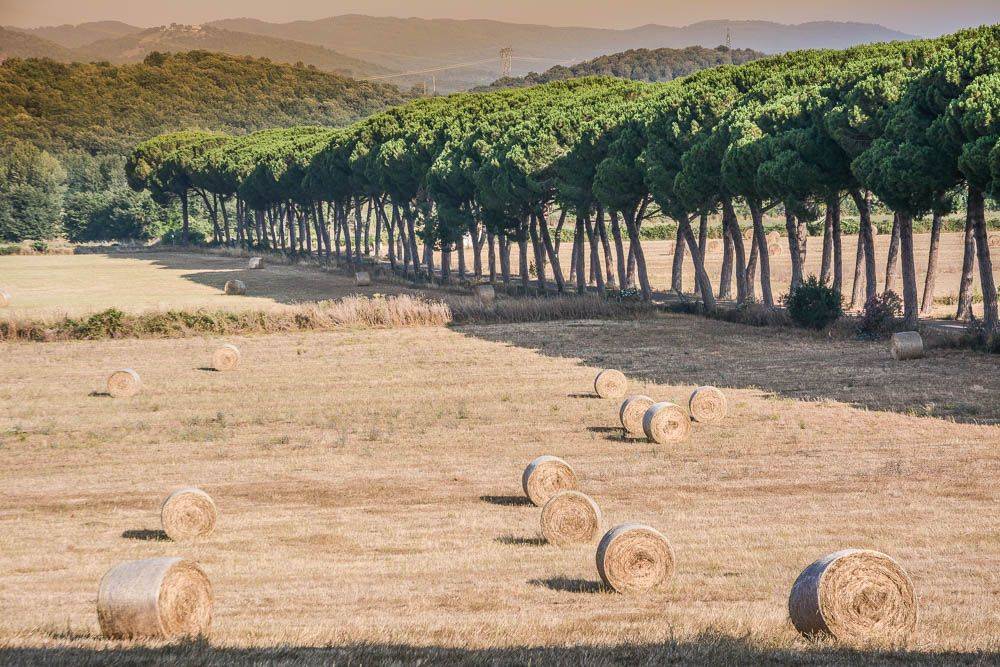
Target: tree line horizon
914,126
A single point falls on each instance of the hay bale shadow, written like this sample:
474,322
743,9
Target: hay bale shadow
99,394
146,535
584,395
506,501
571,585
514,541
208,369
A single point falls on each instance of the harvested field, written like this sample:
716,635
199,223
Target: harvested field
380,513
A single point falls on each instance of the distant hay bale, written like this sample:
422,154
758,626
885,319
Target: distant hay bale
610,384
907,345
748,234
708,405
775,244
571,517
714,245
124,383
485,293
235,288
994,241
5,298
632,411
855,595
187,514
226,358
158,598
362,279
666,423
255,263
546,476
634,557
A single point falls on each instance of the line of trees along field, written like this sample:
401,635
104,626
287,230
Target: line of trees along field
914,124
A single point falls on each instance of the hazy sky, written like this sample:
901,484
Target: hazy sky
923,17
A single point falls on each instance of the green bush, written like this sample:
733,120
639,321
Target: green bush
814,305
881,313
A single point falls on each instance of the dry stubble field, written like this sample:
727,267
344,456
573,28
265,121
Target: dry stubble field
369,492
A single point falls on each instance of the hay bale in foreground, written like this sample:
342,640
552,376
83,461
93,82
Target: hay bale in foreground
907,345
235,288
5,298
571,517
854,595
485,293
187,514
124,383
708,405
610,384
666,423
632,411
226,358
362,279
546,476
634,557
158,598
255,263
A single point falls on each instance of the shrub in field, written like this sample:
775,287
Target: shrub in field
814,305
879,318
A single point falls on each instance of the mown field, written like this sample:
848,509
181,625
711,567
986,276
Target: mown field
368,484
54,285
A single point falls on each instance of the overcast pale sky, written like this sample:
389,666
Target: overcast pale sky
922,17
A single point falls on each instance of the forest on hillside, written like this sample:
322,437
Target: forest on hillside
913,125
65,129
650,65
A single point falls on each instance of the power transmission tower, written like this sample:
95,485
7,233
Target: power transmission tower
506,55
729,39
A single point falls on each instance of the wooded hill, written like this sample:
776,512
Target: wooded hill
104,108
650,65
129,46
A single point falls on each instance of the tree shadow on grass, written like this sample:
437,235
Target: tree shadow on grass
708,648
506,501
676,349
146,535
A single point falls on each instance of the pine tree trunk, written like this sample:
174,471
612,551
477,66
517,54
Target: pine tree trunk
794,249
595,256
731,223
701,276
616,233
635,246
539,252
964,311
991,323
726,275
185,223
927,303
677,270
838,247
553,254
891,264
826,262
911,307
581,266
602,233
491,242
765,260
702,243
859,268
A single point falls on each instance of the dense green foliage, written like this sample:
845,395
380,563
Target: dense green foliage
649,65
32,183
813,305
913,125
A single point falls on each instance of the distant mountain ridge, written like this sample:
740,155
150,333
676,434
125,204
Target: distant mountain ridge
408,44
17,44
649,65
74,36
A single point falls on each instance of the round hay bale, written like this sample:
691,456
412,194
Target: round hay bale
187,514
854,595
571,517
546,476
5,298
235,288
994,241
666,423
255,263
124,383
708,405
226,358
158,598
362,279
714,245
634,557
610,384
748,234
485,293
907,345
632,411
